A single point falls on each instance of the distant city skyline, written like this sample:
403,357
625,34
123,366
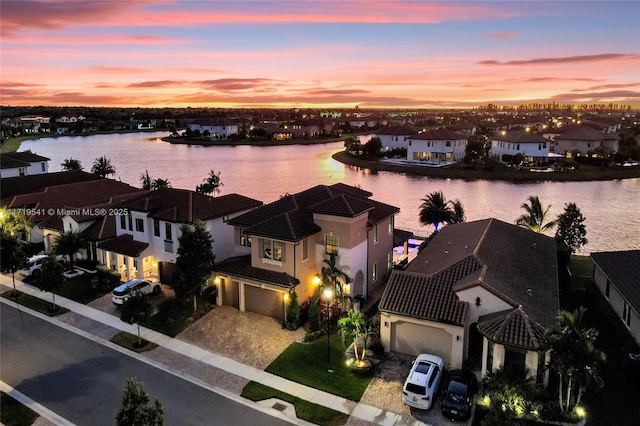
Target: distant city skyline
374,54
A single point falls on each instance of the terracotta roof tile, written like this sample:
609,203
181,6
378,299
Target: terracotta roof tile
124,244
10,187
241,267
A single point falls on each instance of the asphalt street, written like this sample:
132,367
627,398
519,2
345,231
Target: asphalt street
81,380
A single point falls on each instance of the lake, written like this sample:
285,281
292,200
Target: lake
611,208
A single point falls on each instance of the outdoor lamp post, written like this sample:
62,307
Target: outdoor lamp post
327,295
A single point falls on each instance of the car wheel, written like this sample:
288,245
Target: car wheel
156,289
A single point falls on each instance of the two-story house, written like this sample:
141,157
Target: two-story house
218,128
393,137
439,146
532,146
582,140
25,163
282,247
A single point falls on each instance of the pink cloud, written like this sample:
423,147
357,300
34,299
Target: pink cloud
235,84
126,40
503,35
565,60
154,84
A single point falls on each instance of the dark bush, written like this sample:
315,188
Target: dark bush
313,315
210,294
106,279
89,264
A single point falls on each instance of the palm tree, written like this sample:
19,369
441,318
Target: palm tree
352,327
210,184
145,179
102,167
71,164
160,183
332,277
534,219
457,212
69,244
434,210
574,357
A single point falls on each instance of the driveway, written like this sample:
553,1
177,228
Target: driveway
385,391
246,337
105,304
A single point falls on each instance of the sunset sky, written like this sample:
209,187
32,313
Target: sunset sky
319,53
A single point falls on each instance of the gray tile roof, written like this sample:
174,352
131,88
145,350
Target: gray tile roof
513,327
438,135
342,205
584,133
623,270
520,137
402,130
400,236
240,266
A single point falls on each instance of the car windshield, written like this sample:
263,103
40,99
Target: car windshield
455,398
456,392
417,389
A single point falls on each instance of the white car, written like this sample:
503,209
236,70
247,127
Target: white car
421,385
34,264
124,291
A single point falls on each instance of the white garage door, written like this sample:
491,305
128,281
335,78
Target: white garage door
415,339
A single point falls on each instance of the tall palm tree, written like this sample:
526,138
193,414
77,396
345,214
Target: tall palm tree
332,277
457,212
535,217
574,357
71,164
210,184
102,167
69,244
145,179
434,210
160,183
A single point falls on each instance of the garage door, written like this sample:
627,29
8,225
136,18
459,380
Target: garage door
264,302
414,339
231,293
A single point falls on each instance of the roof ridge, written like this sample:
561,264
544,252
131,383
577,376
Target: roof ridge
484,234
289,224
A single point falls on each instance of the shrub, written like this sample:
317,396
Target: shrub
210,294
304,311
87,264
314,316
310,336
293,312
106,279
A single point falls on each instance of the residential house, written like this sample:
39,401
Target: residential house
282,246
533,147
483,291
10,187
393,137
25,163
582,140
464,128
617,276
219,128
304,128
439,146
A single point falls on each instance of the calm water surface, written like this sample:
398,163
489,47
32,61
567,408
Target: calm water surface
611,208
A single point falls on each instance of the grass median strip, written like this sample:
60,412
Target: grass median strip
39,305
130,341
13,413
305,410
306,363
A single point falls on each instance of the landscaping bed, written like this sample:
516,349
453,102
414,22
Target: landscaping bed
130,341
306,363
13,413
32,302
305,410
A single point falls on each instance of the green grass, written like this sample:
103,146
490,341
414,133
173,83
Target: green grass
174,316
581,266
78,289
39,305
305,410
13,413
306,363
130,341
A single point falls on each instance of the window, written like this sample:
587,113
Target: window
518,147
267,251
389,260
225,219
42,166
156,228
130,222
278,252
123,222
375,233
21,171
139,225
331,244
626,314
434,374
448,143
167,232
374,272
245,240
305,249
273,250
391,225
607,289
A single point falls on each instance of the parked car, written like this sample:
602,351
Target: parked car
457,400
422,383
34,264
124,291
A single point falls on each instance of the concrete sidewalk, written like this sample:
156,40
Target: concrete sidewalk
354,409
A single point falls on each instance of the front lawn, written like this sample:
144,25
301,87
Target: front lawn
305,410
13,413
78,289
173,316
39,305
306,363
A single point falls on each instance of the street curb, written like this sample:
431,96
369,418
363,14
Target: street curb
35,406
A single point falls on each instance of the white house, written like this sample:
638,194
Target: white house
439,146
26,163
617,276
393,137
582,140
532,146
482,292
217,128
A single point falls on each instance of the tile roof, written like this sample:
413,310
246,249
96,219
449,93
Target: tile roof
520,137
240,266
515,264
623,270
584,133
290,218
402,130
400,236
513,327
10,187
12,160
184,206
124,244
438,135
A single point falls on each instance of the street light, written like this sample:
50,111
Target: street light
327,295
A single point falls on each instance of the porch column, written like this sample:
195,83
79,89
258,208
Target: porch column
241,296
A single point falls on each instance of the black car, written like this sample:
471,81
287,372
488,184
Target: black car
458,397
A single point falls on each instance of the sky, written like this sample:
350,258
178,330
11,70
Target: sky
318,54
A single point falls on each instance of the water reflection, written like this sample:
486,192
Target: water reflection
266,173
